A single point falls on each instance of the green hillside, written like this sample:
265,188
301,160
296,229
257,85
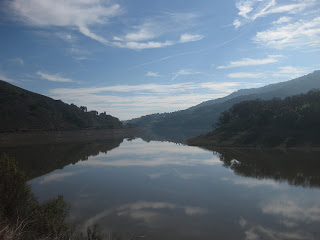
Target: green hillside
22,110
292,122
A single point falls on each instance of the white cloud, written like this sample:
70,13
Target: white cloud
245,75
252,62
84,15
250,10
283,19
293,8
141,35
136,45
65,13
143,45
136,105
237,23
78,52
150,33
152,74
6,79
290,72
145,31
244,7
184,72
152,88
190,37
128,101
66,36
53,78
302,33
18,61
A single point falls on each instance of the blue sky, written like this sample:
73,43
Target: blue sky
131,58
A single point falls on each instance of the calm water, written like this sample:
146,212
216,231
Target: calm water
170,191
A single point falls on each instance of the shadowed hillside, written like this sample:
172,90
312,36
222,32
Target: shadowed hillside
22,110
292,122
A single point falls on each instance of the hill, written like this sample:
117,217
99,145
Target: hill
200,118
22,110
292,122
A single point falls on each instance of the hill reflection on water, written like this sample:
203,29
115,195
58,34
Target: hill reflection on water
296,167
37,160
299,168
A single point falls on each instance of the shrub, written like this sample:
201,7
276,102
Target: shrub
23,218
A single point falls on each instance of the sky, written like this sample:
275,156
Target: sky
137,57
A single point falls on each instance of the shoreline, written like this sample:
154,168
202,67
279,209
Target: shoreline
210,144
72,136
213,146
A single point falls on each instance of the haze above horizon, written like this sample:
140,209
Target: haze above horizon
132,58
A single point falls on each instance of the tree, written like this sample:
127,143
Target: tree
225,117
83,109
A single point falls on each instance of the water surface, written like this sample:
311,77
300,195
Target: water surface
165,190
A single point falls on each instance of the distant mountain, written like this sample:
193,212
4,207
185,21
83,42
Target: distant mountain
22,110
200,118
291,122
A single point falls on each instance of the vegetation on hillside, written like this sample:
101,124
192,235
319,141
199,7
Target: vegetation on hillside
199,119
22,110
23,218
292,122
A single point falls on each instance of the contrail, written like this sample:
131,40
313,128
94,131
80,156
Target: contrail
191,52
165,58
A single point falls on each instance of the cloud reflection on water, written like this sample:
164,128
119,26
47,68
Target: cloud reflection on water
177,173
156,154
146,211
293,213
252,182
54,177
294,210
259,232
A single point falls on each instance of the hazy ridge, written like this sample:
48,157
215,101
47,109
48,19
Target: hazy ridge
200,118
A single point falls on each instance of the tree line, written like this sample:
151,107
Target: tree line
293,121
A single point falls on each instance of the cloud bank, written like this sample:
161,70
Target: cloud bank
128,101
